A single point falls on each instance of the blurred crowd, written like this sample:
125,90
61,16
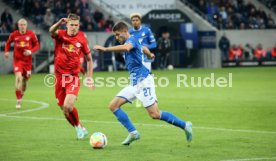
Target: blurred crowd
235,14
44,13
237,52
271,4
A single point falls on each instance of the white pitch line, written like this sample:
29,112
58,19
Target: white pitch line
237,130
248,159
142,124
42,106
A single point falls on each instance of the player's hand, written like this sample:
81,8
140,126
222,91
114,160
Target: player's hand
99,48
63,21
27,52
89,82
7,55
151,56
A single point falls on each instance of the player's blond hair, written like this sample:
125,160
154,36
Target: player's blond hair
136,14
73,16
22,20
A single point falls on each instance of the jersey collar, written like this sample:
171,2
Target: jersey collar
138,29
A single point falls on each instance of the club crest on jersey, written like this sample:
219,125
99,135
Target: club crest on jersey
78,44
143,34
69,47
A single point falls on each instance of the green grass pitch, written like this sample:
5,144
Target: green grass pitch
230,123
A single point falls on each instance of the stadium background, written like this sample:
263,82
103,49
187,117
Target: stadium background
230,123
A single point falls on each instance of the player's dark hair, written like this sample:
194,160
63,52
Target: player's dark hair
73,16
120,26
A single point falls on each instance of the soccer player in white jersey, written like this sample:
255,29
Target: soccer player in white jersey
141,87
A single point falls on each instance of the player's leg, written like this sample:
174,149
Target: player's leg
72,89
148,98
60,96
161,61
121,115
68,106
60,92
170,118
27,71
61,99
24,85
72,112
166,60
18,89
125,95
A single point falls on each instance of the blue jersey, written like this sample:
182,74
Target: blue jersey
133,60
145,37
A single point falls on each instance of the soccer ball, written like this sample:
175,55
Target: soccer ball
98,140
170,67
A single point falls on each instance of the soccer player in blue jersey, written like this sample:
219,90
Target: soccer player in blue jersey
145,37
141,86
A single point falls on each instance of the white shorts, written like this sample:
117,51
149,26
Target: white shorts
144,91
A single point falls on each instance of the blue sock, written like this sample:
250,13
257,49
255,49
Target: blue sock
123,118
172,119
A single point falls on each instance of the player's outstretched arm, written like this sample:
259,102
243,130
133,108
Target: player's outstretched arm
148,53
119,48
53,29
89,79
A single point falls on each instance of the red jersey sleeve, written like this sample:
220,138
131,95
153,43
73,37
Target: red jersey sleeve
85,49
8,43
59,35
35,43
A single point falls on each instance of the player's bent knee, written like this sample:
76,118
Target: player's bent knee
112,106
154,115
68,107
65,111
19,78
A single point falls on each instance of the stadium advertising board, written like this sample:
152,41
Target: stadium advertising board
207,39
171,19
126,7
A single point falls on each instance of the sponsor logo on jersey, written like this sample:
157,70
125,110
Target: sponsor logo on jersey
22,43
70,47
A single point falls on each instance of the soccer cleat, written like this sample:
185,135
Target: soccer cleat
85,132
131,137
18,104
189,132
80,133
